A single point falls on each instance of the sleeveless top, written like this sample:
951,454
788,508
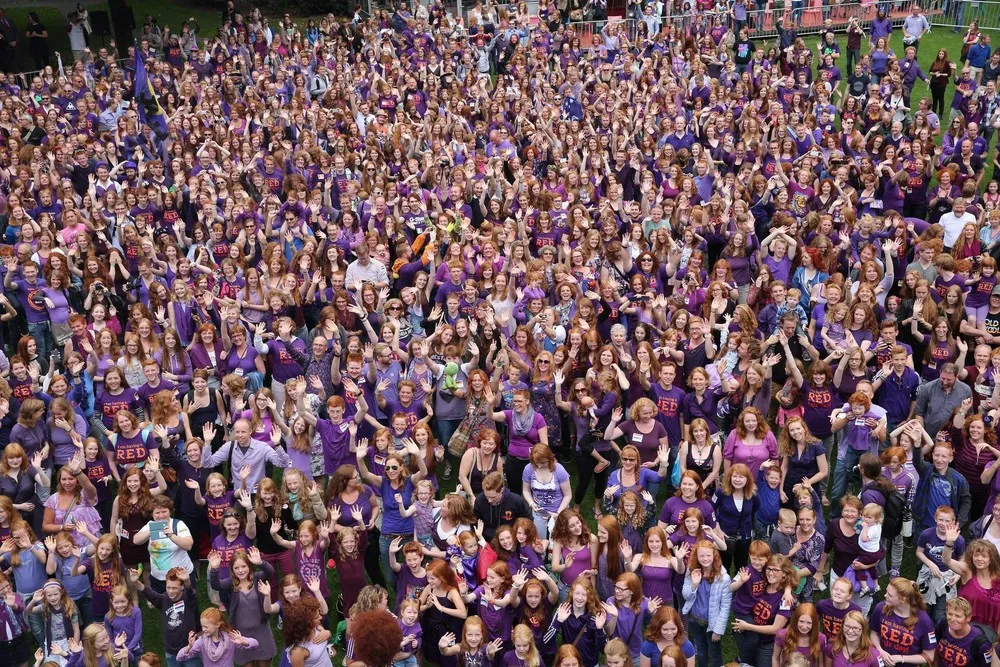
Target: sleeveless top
205,415
985,603
476,475
704,469
318,655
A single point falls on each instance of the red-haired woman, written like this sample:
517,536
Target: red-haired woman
801,635
442,607
900,627
975,449
750,443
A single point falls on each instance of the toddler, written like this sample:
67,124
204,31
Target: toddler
869,539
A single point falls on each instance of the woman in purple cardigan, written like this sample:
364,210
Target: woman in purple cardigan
208,353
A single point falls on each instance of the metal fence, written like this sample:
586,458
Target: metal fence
958,14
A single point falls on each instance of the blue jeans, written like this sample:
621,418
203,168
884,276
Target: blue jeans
445,429
753,648
42,333
841,473
384,540
708,652
541,522
406,662
172,661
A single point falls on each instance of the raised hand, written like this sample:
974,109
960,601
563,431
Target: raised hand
254,556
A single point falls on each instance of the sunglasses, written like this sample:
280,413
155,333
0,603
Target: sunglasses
392,468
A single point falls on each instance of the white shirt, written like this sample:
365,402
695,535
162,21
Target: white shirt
953,226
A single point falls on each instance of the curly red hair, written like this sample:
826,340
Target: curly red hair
377,637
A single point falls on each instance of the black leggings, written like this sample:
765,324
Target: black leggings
937,101
585,464
736,555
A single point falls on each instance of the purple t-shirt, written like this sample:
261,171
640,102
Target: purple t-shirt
675,507
668,407
831,618
746,596
336,444
547,495
972,650
899,639
779,639
840,661
933,547
498,620
648,444
408,586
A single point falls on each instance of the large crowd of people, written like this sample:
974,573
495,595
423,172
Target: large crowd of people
503,343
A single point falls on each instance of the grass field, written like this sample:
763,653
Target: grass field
174,13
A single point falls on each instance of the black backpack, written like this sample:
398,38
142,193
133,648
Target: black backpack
893,513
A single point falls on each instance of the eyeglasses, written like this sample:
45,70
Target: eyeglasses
621,589
543,361
773,569
629,460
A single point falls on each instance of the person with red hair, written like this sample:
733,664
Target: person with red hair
442,607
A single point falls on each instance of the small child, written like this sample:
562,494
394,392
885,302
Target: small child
413,634
793,305
531,549
124,620
412,579
217,500
350,565
937,582
869,539
290,590
768,497
422,511
982,282
492,600
749,583
473,647
783,539
860,425
64,564
106,571
834,331
26,556
48,613
803,495
633,519
218,640
463,554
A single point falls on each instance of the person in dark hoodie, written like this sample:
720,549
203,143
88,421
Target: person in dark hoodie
497,505
179,611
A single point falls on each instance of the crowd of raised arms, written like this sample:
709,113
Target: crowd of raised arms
329,343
